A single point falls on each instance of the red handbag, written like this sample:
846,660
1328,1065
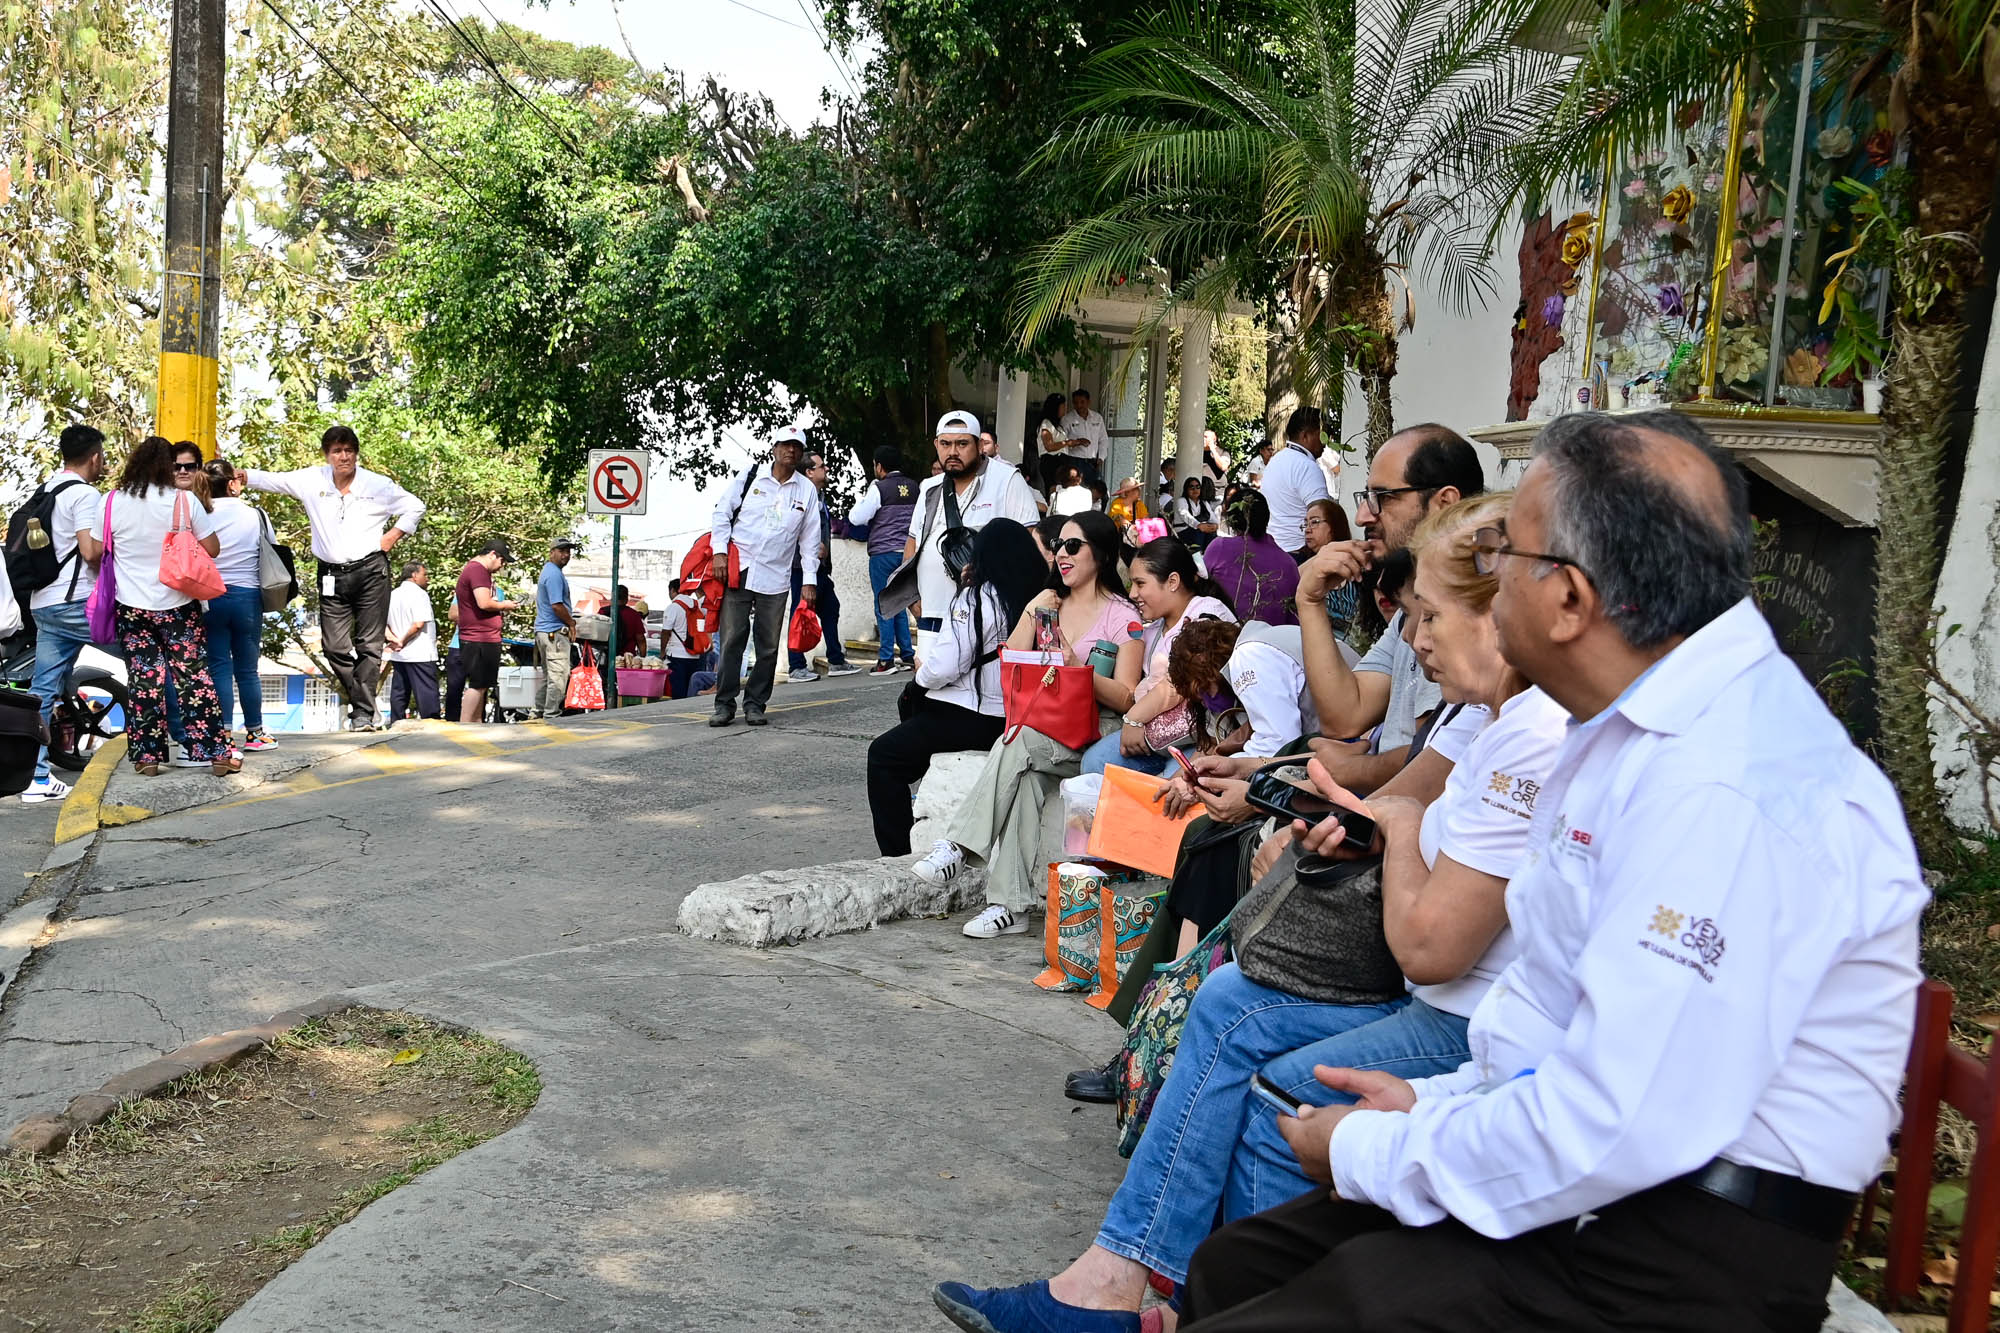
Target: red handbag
805,632
586,687
1058,701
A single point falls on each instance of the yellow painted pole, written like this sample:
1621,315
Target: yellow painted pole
1603,226
191,296
1725,235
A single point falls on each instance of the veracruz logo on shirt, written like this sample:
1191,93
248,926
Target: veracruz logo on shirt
1701,936
1515,795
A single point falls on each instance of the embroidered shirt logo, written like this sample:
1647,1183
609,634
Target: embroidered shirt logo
1700,937
1578,836
1500,783
1666,922
1703,937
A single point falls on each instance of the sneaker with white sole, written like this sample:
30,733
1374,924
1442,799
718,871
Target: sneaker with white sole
259,739
882,669
799,677
50,788
182,758
942,865
995,920
844,669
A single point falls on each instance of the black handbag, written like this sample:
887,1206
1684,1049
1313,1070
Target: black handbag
22,737
1312,927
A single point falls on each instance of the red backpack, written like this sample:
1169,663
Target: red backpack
698,581
699,630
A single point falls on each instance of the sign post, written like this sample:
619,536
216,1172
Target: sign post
618,486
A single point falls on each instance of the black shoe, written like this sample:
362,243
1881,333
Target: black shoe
1094,1085
755,718
722,717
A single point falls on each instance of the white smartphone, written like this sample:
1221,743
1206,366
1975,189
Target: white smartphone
1279,1100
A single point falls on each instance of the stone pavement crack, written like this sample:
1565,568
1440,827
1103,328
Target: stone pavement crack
70,1041
180,1036
199,903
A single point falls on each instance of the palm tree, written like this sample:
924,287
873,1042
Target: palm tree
1641,64
1319,158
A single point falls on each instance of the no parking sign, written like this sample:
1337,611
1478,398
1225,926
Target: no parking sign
617,482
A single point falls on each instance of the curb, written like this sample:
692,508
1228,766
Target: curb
47,1133
83,810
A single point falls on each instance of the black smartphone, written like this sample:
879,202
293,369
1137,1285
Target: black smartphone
1280,1101
1275,796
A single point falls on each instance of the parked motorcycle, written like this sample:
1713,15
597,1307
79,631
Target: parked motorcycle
90,710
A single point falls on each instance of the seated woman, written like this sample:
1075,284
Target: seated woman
1444,877
1252,568
1193,517
956,703
1069,495
1001,820
1169,593
1326,522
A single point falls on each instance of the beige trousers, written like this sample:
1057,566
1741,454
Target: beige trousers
1002,819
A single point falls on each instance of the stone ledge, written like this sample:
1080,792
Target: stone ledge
47,1133
775,907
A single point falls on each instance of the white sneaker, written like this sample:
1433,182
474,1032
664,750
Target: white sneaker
844,669
808,674
50,788
182,759
943,864
995,920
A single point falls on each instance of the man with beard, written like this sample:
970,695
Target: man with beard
971,491
1415,471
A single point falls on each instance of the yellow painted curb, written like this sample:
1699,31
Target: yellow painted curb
83,808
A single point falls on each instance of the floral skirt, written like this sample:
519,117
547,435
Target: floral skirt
157,642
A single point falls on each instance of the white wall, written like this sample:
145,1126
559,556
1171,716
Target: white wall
1967,596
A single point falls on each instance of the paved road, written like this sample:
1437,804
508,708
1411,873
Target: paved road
728,1139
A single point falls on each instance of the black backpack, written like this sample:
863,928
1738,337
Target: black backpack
32,568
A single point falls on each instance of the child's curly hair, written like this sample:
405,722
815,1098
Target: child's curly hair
1194,667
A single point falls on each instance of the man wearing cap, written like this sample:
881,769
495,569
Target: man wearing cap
479,613
970,491
1084,430
555,627
771,515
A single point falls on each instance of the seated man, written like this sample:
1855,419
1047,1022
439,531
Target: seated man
1679,1085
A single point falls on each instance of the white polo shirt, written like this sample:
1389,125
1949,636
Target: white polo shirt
1292,480
80,508
778,521
1089,427
1718,932
345,527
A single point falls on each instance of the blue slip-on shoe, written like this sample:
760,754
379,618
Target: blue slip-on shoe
1028,1308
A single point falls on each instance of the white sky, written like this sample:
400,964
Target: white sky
747,52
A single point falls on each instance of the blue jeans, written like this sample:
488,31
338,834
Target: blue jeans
235,626
892,632
1173,1189
1418,1042
1105,754
61,633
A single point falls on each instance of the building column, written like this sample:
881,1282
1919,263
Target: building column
1196,340
1147,467
1966,596
1010,416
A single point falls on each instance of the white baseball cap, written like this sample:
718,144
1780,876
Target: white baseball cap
790,435
958,423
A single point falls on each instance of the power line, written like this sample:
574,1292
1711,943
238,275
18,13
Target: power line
839,65
775,18
527,62
330,63
505,82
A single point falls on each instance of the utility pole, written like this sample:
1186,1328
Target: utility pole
191,302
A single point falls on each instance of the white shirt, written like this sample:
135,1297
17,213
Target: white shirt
1254,471
345,528
673,629
1481,819
779,521
1291,482
1069,500
1452,739
139,528
80,508
1718,931
410,605
946,668
1271,686
240,529
999,491
1091,428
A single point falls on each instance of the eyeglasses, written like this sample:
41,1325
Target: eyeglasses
1071,545
1373,496
1489,544
187,467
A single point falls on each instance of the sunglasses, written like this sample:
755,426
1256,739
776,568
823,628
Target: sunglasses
187,467
1070,546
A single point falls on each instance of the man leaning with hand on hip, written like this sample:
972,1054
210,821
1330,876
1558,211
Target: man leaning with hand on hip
348,508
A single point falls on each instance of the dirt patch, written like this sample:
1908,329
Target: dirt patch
169,1215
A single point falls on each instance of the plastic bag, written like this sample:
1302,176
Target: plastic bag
1079,798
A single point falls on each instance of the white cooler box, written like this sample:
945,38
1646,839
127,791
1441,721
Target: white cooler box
520,687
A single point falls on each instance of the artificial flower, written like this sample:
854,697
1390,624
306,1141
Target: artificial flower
1678,204
1673,301
1881,146
1634,189
1576,246
1552,311
1835,142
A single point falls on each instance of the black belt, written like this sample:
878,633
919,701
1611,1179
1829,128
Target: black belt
1819,1211
930,624
328,567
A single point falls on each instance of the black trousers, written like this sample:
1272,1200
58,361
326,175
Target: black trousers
454,684
741,609
414,683
1671,1258
902,755
352,619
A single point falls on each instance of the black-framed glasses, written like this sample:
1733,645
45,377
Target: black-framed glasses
1490,544
1070,546
187,467
1373,496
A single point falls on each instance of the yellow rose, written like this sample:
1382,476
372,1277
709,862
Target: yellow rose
1678,204
1576,247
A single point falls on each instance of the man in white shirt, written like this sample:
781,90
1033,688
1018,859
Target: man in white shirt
1682,1082
771,515
413,645
678,632
348,508
1084,436
1253,472
1292,480
981,490
60,608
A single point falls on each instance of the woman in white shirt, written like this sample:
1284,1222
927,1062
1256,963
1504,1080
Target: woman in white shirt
160,628
956,703
234,622
1070,496
1209,1144
1193,517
